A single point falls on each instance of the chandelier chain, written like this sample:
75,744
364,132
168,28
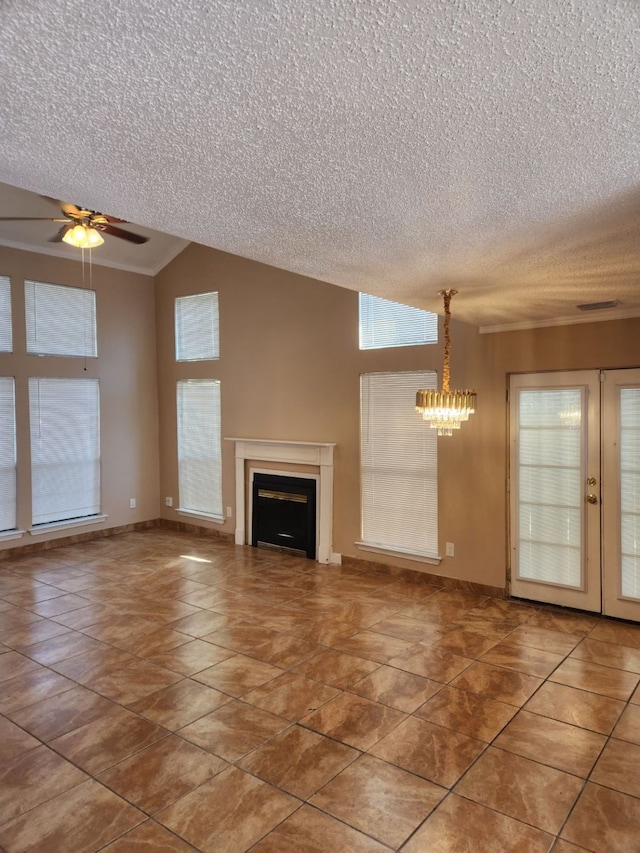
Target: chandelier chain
446,368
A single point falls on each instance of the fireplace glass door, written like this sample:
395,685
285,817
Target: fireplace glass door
284,514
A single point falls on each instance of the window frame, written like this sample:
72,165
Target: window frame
391,431
193,313
58,318
208,432
8,449
79,417
6,316
399,320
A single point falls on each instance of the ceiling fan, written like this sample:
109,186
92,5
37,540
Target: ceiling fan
82,227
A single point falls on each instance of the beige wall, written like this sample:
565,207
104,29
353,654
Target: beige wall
290,367
126,368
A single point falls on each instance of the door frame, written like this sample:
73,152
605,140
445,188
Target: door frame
602,572
589,595
614,603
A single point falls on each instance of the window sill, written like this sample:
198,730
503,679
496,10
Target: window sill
204,516
7,535
66,524
417,556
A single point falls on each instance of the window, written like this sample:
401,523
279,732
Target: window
199,447
65,449
60,320
197,327
6,338
390,324
7,454
399,465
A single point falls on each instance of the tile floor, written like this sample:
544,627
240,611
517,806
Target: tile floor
167,692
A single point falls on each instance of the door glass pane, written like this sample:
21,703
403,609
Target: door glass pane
630,491
550,494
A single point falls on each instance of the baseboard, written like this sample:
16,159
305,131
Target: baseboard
188,527
72,539
424,577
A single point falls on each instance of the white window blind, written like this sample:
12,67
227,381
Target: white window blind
199,447
550,493
6,337
60,320
197,327
399,464
391,324
65,448
630,491
7,454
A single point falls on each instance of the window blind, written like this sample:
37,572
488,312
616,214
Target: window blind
65,448
390,324
199,446
399,464
197,327
7,454
630,491
6,337
550,487
60,320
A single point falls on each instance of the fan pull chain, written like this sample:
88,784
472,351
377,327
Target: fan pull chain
84,288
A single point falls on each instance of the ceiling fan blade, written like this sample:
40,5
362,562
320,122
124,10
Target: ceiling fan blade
31,219
57,238
70,209
124,235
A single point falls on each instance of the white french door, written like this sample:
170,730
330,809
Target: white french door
575,490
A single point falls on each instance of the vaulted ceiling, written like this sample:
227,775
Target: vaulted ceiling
391,146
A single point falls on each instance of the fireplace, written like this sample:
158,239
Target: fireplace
284,514
307,455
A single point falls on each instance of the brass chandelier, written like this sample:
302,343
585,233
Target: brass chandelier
446,410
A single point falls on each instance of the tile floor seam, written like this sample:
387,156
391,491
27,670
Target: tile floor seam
449,610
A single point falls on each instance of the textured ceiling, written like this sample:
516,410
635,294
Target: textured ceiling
390,146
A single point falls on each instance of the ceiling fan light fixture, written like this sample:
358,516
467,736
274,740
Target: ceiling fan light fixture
446,410
83,237
94,238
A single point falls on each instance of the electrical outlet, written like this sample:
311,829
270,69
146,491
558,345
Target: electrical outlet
450,549
132,503
229,512
168,501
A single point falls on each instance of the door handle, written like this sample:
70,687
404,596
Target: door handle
592,499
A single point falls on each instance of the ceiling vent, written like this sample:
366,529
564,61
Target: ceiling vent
597,306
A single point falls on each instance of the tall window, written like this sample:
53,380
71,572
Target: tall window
199,447
6,338
391,324
399,465
197,327
7,454
65,449
60,320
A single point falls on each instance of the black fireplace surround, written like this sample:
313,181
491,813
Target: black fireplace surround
284,514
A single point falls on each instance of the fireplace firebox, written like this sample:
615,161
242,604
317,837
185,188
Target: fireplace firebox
284,514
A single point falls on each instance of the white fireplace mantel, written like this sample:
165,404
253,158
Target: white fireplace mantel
319,453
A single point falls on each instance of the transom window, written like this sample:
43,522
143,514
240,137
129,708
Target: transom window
60,320
390,324
197,327
6,337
